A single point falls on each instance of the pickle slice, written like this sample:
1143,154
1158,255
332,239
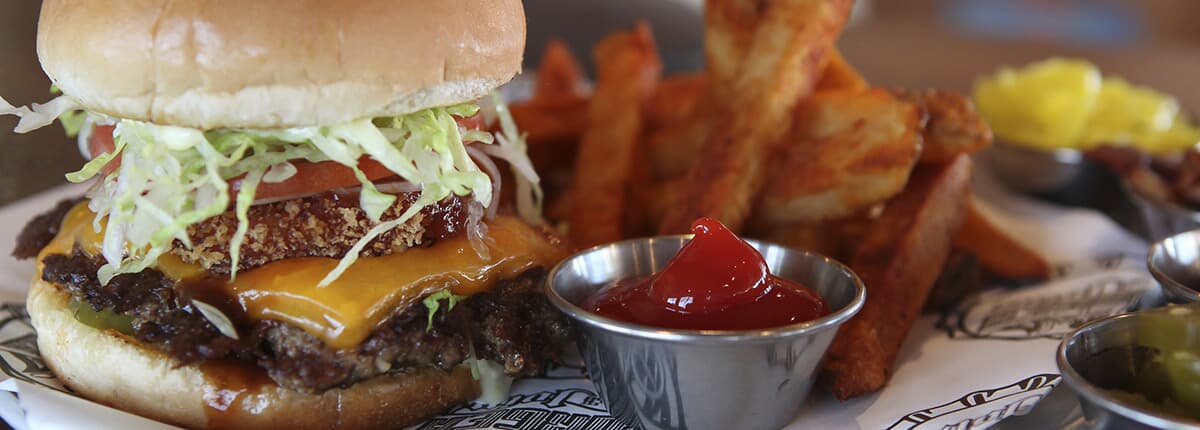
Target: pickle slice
1175,333
104,319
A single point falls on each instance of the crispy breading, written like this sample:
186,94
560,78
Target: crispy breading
954,127
898,260
781,67
323,225
852,150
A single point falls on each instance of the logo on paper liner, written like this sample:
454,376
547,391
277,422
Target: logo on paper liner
983,408
1106,287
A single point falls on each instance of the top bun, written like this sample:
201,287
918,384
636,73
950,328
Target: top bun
277,63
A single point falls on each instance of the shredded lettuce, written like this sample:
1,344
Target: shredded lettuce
513,149
38,115
245,197
73,122
173,177
434,302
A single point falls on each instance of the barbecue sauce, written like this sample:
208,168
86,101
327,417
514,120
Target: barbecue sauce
229,385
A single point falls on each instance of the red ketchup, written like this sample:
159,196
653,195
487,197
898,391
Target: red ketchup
716,282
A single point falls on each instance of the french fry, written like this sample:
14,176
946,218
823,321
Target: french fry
839,75
678,99
953,128
652,200
831,239
628,71
728,30
997,251
559,76
780,68
674,148
558,207
562,121
961,277
853,150
899,259
553,135
554,118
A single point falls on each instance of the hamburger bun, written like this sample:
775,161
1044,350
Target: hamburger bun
110,368
277,63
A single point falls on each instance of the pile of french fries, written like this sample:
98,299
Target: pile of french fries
781,139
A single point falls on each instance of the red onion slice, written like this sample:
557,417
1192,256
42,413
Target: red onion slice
485,161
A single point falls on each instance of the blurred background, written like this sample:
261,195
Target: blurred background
914,43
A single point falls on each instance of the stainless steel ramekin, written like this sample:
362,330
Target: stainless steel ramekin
701,379
1163,219
1036,171
1104,355
1175,263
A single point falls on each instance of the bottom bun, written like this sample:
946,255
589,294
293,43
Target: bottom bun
110,368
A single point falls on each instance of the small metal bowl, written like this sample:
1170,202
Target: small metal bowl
1063,176
1035,171
700,379
1103,356
1162,219
1175,263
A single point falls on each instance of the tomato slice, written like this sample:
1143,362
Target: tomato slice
313,178
100,142
473,122
310,178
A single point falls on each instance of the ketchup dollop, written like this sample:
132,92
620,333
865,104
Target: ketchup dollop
717,281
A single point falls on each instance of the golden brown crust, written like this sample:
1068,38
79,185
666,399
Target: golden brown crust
277,63
109,368
899,258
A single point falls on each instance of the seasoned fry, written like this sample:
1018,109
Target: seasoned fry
652,200
780,69
544,122
553,135
628,72
678,99
674,148
953,128
559,76
961,277
554,118
558,207
997,251
834,239
728,30
898,260
853,150
839,75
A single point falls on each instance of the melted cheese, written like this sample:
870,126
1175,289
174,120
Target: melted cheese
344,313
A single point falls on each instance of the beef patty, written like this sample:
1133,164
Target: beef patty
512,324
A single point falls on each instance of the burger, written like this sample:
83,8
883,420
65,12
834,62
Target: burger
295,217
